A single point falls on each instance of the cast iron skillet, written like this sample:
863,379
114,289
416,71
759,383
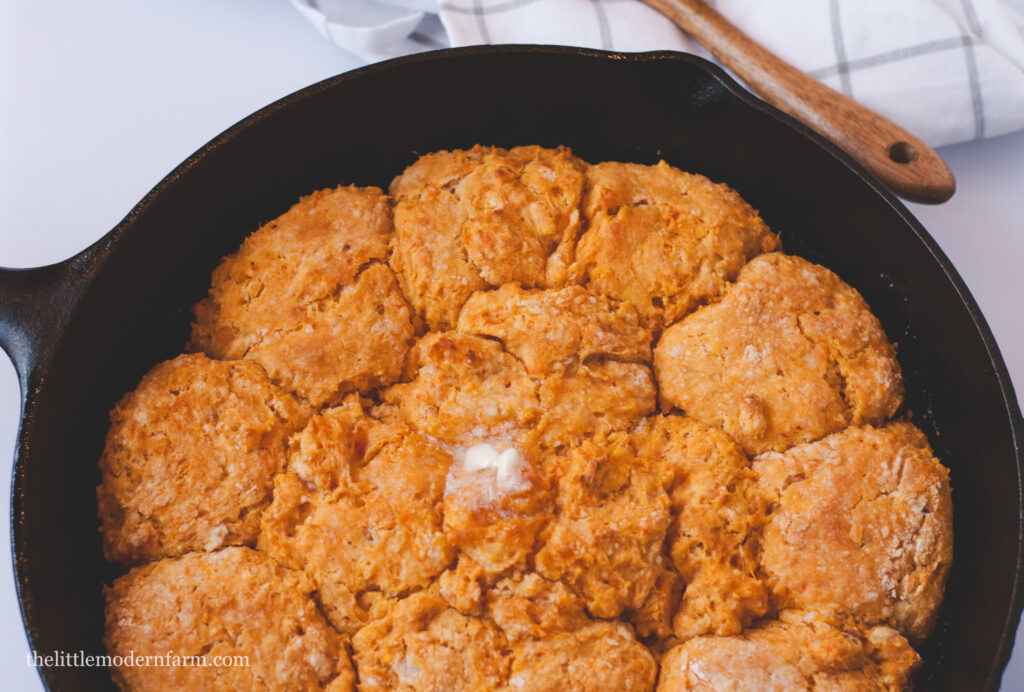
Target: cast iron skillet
83,332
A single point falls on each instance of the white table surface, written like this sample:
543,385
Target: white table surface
100,100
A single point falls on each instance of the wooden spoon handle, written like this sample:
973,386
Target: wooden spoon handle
903,162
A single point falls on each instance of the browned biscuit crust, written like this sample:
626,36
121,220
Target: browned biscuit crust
588,356
234,602
790,354
494,522
466,220
549,330
606,540
308,297
718,515
592,401
422,645
360,509
860,526
598,657
190,458
527,606
468,389
800,652
662,239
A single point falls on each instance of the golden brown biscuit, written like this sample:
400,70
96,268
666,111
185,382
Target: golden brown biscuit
232,603
592,400
360,509
598,657
718,514
492,514
589,356
190,458
662,239
790,354
308,297
606,540
860,525
548,330
527,606
468,389
466,220
799,652
422,645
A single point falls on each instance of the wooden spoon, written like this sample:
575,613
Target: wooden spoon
903,162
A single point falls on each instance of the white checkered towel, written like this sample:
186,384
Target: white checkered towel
947,70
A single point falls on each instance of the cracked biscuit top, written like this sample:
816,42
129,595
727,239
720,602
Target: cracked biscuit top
798,652
663,240
860,525
360,509
234,602
308,297
607,538
421,644
549,329
190,458
469,220
718,514
465,388
526,423
789,354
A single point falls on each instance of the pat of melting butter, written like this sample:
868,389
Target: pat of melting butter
490,472
507,465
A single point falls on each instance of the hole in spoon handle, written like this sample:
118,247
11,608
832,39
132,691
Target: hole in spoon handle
902,152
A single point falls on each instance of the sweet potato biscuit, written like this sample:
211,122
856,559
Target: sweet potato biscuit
466,390
423,645
492,515
600,656
662,239
606,540
360,510
527,606
308,297
190,458
464,586
861,526
550,329
790,354
718,514
798,652
592,400
466,220
589,356
232,603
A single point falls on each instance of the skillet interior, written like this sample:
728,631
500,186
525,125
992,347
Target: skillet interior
365,127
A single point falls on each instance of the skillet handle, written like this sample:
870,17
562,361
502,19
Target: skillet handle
35,306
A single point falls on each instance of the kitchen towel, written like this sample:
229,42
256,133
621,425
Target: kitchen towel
947,70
